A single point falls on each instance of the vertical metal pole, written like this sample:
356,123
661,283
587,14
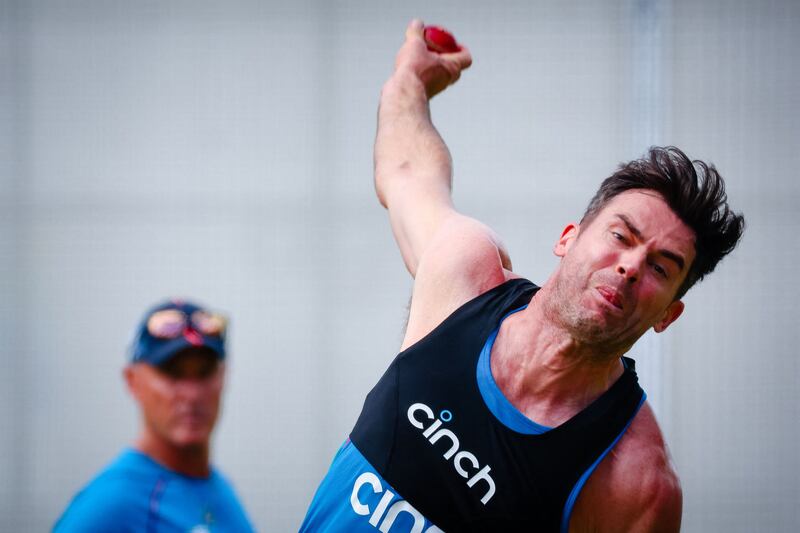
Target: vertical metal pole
650,112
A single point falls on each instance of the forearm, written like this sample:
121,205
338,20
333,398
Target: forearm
412,163
409,152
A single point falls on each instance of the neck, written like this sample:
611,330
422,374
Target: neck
545,372
190,460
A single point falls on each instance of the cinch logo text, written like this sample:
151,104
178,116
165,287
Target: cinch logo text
380,512
461,459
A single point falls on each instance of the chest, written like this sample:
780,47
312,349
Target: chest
431,432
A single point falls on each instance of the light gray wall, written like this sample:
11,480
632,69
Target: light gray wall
223,151
737,374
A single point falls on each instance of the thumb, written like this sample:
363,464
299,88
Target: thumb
415,29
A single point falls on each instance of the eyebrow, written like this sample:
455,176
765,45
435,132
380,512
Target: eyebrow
677,259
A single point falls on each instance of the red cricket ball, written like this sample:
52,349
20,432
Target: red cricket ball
440,40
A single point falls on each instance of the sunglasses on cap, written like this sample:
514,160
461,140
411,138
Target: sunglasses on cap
172,323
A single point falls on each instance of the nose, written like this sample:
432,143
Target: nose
190,389
628,267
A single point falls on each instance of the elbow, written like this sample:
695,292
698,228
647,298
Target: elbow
380,185
665,505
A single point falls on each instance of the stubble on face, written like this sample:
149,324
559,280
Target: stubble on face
592,300
566,309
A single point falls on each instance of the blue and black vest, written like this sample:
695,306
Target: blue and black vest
428,431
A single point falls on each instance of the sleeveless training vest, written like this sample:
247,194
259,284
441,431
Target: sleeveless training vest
427,430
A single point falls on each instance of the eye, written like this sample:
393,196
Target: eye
208,369
170,370
619,236
660,270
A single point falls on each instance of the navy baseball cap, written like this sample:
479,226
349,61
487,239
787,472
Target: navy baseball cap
173,326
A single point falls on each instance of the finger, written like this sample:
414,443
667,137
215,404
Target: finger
454,71
415,28
463,58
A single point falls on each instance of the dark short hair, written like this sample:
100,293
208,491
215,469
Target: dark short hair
694,190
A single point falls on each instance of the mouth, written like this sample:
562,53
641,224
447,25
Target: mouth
611,296
193,418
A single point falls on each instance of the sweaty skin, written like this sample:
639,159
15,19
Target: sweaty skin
616,279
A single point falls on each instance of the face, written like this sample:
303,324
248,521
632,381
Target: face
180,399
620,272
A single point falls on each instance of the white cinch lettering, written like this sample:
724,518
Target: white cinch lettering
366,477
450,435
403,506
419,407
464,455
386,499
434,432
483,474
400,506
434,427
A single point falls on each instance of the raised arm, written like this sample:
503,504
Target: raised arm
452,257
413,170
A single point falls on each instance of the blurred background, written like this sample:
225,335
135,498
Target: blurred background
223,151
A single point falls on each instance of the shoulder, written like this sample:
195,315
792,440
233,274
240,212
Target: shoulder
635,487
231,513
465,258
220,483
115,497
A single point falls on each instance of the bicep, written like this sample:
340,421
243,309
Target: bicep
663,515
654,509
634,488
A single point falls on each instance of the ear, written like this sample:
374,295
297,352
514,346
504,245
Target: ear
569,234
129,374
670,315
221,371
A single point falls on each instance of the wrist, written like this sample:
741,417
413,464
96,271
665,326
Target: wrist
404,84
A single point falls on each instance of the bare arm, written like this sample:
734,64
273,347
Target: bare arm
452,257
413,170
635,488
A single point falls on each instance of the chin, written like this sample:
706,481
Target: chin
594,330
191,439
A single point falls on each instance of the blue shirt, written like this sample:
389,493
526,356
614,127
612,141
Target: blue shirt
134,493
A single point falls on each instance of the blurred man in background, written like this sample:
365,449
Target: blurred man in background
165,481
